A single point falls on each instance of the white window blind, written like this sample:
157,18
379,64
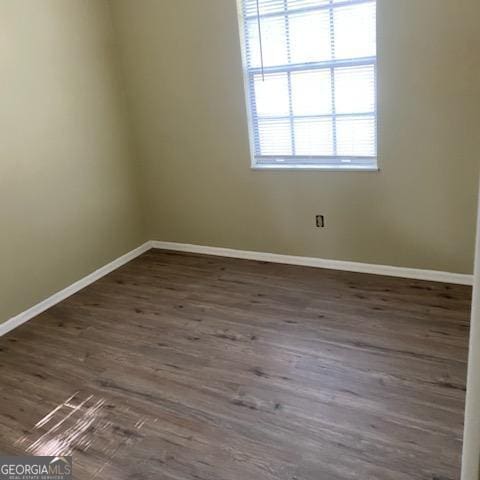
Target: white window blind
310,69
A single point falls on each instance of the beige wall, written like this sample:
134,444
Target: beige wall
67,183
182,65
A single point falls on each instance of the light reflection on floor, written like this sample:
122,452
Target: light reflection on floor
85,422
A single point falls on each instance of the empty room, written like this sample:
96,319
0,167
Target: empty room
239,240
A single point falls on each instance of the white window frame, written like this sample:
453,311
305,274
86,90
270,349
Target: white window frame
323,163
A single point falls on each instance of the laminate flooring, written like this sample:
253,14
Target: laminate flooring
191,367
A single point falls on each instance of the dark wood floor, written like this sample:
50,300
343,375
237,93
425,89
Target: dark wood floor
192,367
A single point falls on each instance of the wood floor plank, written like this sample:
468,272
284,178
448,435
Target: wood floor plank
183,366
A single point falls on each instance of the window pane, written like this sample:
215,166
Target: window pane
274,44
311,92
271,95
313,136
274,137
310,37
355,31
356,136
355,89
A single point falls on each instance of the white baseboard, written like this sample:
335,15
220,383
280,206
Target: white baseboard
27,315
413,273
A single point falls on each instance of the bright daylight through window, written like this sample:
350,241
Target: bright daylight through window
310,68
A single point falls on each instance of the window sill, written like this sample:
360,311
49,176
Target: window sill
322,168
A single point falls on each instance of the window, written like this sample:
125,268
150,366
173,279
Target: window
310,71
